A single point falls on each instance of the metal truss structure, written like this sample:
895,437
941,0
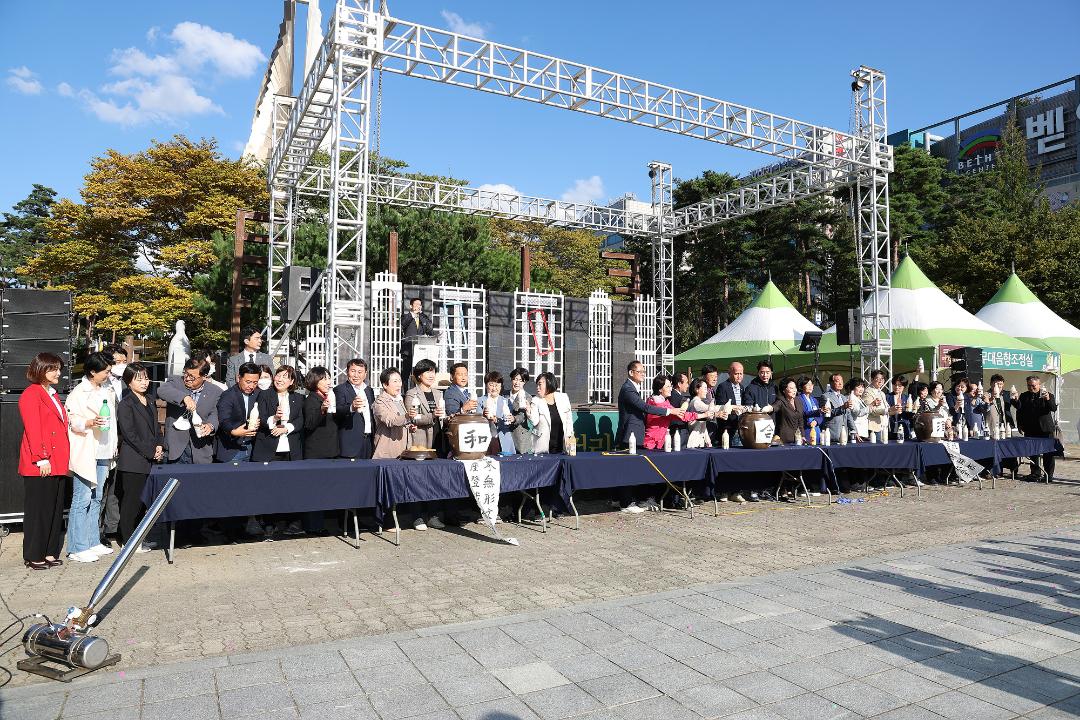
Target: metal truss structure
335,103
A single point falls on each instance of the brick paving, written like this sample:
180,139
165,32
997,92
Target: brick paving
767,611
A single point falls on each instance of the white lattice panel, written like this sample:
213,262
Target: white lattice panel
538,333
386,312
599,347
459,316
645,332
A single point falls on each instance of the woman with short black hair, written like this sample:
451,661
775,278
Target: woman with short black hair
320,416
555,426
524,411
141,444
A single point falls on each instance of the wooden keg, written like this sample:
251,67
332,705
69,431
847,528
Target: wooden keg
470,436
756,430
929,427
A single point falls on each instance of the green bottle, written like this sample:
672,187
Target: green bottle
105,413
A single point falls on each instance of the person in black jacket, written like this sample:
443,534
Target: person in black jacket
1034,417
680,395
320,416
280,436
141,443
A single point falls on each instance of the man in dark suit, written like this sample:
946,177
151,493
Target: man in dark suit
252,341
234,438
1034,417
355,422
899,417
632,412
415,322
632,407
1001,401
733,391
458,398
680,395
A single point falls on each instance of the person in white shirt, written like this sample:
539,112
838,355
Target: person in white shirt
354,399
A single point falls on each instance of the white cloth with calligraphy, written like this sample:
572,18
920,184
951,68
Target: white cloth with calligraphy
966,468
485,481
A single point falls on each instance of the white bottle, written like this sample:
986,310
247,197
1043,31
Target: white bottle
632,444
798,439
332,399
963,432
725,441
873,438
253,417
885,432
678,442
667,442
899,434
843,436
826,437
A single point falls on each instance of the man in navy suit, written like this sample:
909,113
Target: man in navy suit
234,406
632,412
458,398
633,409
355,422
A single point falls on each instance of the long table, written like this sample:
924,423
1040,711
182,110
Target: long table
238,489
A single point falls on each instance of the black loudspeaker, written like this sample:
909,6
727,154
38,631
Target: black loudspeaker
296,282
48,302
849,327
34,326
11,483
21,352
966,362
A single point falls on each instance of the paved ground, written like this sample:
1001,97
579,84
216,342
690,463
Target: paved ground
940,630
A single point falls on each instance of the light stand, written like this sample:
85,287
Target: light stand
68,644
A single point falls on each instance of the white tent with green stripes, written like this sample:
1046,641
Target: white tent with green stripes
1016,311
770,326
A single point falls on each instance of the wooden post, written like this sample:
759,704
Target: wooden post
393,252
526,267
239,238
129,342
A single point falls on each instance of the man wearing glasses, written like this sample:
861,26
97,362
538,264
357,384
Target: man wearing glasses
1034,417
191,416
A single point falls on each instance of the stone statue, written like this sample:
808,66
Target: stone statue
179,350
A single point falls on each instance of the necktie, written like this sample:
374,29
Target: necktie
251,357
417,320
465,392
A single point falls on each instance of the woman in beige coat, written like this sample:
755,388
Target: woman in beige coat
393,419
428,402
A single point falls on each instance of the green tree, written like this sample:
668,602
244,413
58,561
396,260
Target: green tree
563,260
22,232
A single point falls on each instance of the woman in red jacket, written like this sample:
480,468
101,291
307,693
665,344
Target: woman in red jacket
43,463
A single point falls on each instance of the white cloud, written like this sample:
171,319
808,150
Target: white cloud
458,24
23,80
166,99
501,188
164,87
231,56
133,61
588,190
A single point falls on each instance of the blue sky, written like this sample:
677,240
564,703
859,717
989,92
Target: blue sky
81,77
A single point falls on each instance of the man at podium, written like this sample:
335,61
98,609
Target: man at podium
414,324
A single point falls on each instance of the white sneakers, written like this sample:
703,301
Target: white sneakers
649,504
86,556
101,550
632,508
419,524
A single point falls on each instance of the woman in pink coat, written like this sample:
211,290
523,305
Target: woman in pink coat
656,426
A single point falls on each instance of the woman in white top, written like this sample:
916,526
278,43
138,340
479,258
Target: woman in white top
281,420
554,429
496,409
859,412
91,409
705,411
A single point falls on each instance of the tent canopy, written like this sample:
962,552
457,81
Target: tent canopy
769,326
1016,311
923,318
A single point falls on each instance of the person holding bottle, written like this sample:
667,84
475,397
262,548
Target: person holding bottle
496,409
91,409
141,444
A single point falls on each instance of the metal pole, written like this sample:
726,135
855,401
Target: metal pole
121,561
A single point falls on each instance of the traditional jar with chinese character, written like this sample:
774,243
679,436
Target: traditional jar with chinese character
470,436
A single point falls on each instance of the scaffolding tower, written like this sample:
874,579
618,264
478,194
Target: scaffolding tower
335,103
